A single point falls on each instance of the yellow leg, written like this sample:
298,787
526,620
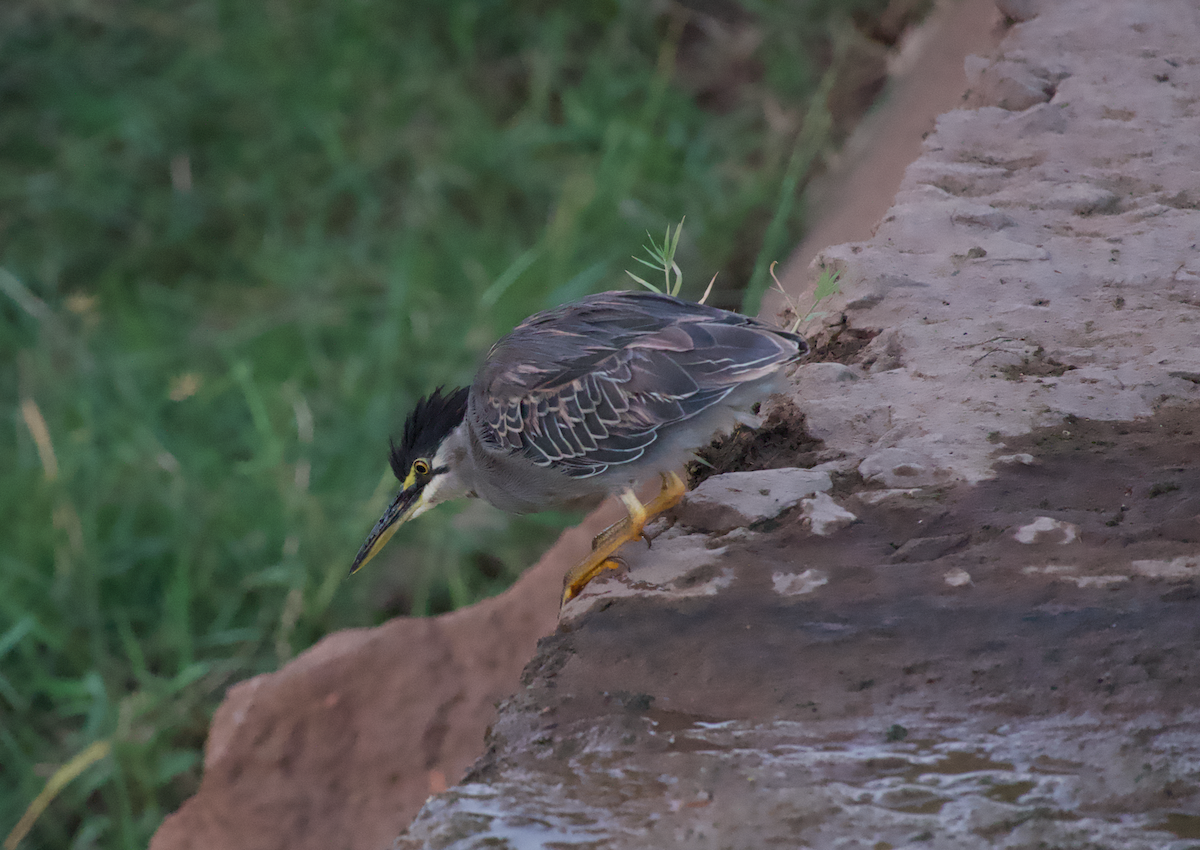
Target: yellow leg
607,542
668,497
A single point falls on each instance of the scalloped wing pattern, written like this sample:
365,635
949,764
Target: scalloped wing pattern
590,385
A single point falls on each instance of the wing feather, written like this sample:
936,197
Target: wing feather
590,385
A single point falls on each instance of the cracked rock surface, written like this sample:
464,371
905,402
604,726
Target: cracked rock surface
980,627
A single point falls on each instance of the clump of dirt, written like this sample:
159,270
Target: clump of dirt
781,441
1037,366
843,344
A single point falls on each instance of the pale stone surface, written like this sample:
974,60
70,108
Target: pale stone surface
957,577
901,467
739,499
1078,275
1046,529
1021,457
791,584
1184,566
825,516
677,566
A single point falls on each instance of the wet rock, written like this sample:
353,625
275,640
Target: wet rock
981,706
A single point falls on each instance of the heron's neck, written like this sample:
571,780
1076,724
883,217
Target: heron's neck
458,482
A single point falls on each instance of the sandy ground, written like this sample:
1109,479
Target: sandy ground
963,611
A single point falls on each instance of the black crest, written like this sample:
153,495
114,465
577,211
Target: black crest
431,420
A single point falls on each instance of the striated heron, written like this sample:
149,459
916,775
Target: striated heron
582,402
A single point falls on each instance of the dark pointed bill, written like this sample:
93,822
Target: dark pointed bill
398,511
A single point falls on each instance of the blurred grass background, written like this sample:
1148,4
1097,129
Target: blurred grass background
237,240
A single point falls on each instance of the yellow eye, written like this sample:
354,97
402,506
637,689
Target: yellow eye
420,467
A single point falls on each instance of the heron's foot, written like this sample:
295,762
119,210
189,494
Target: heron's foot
582,573
607,542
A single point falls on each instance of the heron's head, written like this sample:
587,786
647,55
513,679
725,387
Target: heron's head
422,466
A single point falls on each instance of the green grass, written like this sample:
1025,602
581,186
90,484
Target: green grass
237,240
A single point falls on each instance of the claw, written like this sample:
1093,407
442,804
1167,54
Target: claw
606,543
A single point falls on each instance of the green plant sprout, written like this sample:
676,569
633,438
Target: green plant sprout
827,284
662,259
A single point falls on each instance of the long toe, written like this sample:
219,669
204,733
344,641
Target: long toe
631,527
582,573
